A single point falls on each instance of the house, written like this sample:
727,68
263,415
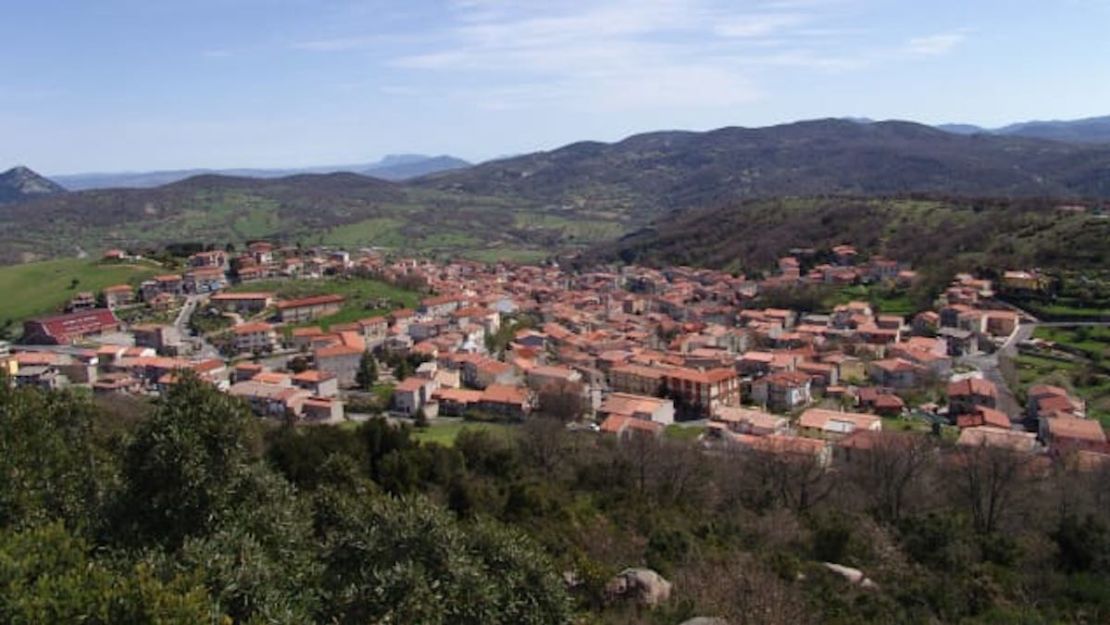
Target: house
322,410
456,402
545,375
894,372
782,391
636,379
698,393
309,308
748,421
374,331
70,327
625,426
637,406
480,372
1073,431
207,280
118,295
242,303
1019,280
412,394
270,400
980,416
1049,401
84,300
997,438
214,259
319,383
342,361
162,338
966,394
255,337
835,424
514,402
46,377
787,447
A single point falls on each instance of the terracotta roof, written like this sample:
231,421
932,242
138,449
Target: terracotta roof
316,300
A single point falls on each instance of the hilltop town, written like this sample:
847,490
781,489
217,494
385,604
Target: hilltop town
623,351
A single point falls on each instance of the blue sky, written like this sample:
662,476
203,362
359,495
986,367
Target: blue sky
111,85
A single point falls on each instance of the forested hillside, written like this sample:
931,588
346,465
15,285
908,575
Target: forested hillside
190,511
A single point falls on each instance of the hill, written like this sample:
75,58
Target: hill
20,183
391,167
936,235
342,208
647,174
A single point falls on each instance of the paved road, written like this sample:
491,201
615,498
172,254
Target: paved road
201,347
988,364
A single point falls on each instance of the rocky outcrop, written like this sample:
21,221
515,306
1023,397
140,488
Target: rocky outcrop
853,576
642,586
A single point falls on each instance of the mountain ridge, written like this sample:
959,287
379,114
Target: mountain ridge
21,183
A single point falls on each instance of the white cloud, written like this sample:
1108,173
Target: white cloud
935,45
756,25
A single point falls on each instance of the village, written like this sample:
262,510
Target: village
625,352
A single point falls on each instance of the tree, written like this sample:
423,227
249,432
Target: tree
367,374
181,472
50,576
890,470
563,400
407,561
986,481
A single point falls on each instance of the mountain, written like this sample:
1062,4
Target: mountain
647,174
1089,130
390,167
403,169
20,183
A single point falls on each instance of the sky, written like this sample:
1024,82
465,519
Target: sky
137,85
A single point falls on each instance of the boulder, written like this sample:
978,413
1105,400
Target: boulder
644,586
853,576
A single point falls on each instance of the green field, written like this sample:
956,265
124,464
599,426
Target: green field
1095,340
887,302
363,296
37,288
445,432
682,432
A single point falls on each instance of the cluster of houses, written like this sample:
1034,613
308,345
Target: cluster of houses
635,348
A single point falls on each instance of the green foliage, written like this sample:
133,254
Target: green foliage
408,562
367,375
47,575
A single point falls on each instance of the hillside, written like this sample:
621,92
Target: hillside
342,208
416,167
936,235
20,183
647,174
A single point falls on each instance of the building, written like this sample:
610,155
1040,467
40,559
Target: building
698,394
653,409
342,361
70,327
255,337
512,402
319,383
636,379
163,339
412,394
309,308
836,424
242,303
967,394
118,295
782,391
748,421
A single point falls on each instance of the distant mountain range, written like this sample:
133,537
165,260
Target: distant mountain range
391,167
1089,130
573,196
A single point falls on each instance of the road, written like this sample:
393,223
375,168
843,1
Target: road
988,364
201,347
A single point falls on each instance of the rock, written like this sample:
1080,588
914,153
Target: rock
853,576
705,620
644,586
